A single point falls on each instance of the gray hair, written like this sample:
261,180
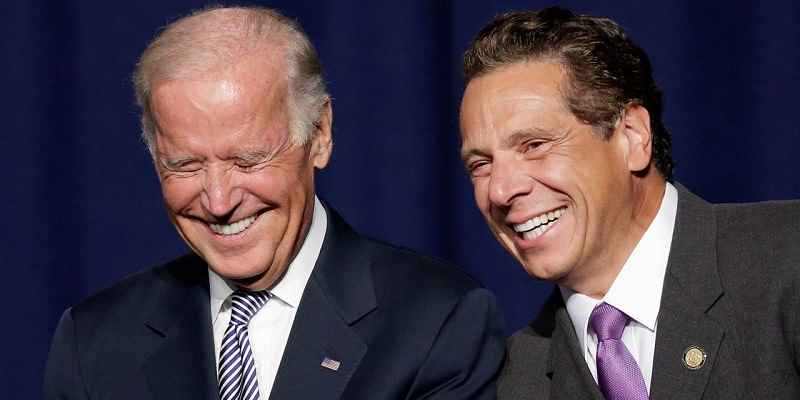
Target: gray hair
216,38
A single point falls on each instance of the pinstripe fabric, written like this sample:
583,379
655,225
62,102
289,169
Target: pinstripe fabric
237,369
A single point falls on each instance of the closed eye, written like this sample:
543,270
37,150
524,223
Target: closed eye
533,145
186,165
479,168
249,166
250,161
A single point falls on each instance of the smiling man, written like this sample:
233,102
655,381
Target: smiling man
659,294
280,298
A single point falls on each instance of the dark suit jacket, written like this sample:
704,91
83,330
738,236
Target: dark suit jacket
402,326
732,287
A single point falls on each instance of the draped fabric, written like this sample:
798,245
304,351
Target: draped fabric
82,205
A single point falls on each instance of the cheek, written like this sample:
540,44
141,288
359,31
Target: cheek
271,185
595,183
555,169
480,188
179,193
564,177
490,215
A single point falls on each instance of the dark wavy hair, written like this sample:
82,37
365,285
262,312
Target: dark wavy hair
606,70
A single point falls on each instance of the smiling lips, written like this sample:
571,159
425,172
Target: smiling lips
234,227
537,225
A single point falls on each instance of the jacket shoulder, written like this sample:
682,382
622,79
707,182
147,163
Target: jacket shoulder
396,268
529,354
527,359
132,295
764,233
780,216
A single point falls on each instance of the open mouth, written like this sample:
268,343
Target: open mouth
234,228
538,225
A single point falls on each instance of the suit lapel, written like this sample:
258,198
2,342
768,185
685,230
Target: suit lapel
571,378
182,363
338,294
691,289
318,333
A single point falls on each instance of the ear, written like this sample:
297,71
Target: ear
322,138
638,143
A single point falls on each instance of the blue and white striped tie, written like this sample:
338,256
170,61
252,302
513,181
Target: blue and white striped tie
237,369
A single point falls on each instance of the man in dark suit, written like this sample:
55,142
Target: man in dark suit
659,294
281,299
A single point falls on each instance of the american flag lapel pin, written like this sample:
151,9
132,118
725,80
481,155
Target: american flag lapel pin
330,364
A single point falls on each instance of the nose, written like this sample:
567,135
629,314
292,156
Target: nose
508,182
220,196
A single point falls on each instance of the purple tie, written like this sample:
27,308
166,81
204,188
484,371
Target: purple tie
618,374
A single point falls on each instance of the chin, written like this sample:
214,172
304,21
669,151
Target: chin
237,270
546,271
236,267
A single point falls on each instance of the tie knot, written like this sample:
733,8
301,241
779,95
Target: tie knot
246,304
608,322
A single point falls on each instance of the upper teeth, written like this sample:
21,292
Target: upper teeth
233,228
539,220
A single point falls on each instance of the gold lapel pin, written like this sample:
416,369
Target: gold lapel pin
330,364
694,357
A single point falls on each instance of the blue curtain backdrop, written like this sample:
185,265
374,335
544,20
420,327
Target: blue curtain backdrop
82,204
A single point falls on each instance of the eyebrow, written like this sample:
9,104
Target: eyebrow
510,141
175,162
521,135
465,154
253,156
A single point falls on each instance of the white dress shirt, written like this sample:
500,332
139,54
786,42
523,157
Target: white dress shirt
270,327
636,291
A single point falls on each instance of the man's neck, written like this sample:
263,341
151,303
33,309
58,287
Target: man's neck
647,195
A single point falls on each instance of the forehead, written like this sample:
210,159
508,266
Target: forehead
233,103
250,81
521,95
520,81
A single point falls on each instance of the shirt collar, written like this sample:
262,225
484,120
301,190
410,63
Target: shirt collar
290,288
636,290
